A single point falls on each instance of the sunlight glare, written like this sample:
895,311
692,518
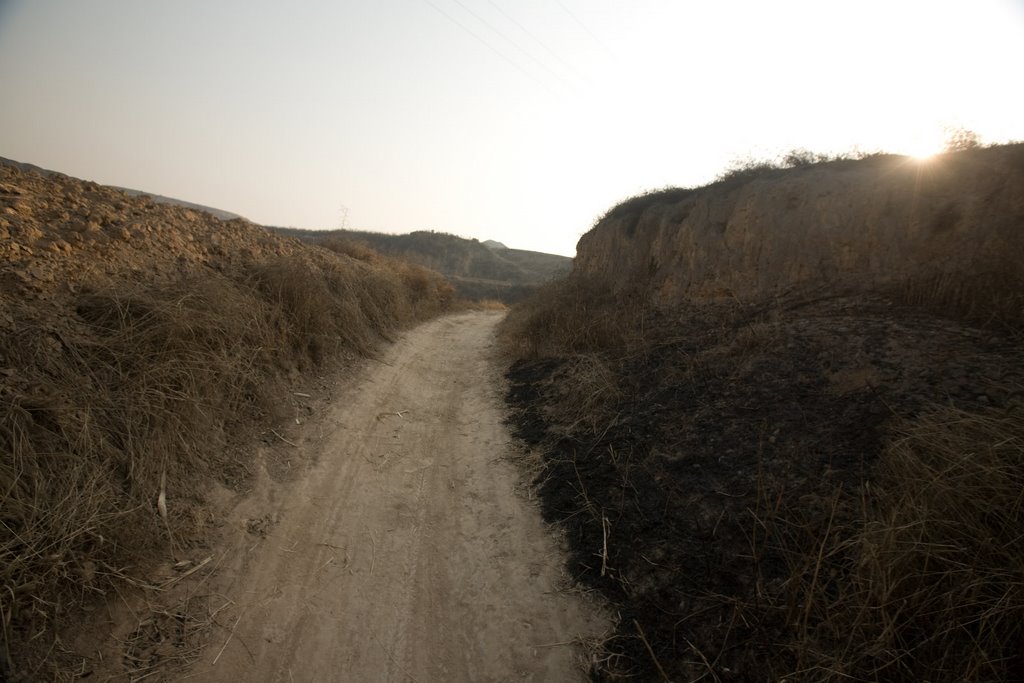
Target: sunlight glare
924,145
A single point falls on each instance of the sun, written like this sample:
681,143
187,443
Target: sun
924,145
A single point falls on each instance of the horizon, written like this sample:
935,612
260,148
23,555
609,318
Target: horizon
515,122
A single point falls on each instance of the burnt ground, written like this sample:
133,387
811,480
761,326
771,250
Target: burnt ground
738,436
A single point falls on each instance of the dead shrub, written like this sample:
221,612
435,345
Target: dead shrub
417,279
427,290
351,247
410,291
302,298
577,315
491,305
383,301
647,200
325,306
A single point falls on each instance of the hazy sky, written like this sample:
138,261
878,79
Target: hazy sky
514,120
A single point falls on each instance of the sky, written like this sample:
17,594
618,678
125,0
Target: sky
520,121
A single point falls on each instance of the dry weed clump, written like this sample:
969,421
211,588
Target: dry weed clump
491,305
124,390
427,291
577,315
935,589
351,247
348,304
588,388
315,305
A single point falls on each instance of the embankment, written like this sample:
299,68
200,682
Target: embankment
781,419
867,223
141,346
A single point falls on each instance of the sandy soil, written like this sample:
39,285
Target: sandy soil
408,551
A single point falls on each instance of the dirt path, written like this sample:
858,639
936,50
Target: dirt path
405,554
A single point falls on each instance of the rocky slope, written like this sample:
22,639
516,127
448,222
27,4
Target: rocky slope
160,199
57,231
867,222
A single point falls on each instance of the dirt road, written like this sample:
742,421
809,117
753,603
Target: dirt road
406,552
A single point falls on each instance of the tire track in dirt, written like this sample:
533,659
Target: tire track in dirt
405,554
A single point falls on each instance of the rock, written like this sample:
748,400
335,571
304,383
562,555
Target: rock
42,274
30,233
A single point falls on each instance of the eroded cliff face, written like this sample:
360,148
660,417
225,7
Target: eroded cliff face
854,223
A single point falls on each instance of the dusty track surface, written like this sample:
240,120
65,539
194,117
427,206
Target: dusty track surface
405,553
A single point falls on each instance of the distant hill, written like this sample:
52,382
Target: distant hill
479,270
159,199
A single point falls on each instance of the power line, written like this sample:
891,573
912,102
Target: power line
537,40
514,43
584,27
489,46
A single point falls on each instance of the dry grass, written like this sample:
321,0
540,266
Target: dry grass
916,575
94,418
942,559
576,315
587,389
351,247
933,587
491,305
420,292
991,295
123,385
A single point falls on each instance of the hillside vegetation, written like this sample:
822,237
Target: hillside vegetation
478,270
782,421
141,346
